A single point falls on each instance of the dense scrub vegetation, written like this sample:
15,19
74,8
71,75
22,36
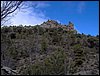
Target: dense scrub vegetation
34,50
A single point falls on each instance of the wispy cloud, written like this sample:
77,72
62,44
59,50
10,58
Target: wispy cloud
75,6
42,4
31,16
81,6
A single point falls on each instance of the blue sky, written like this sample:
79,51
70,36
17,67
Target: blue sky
83,14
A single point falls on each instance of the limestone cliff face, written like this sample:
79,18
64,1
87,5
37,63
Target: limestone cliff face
50,24
55,24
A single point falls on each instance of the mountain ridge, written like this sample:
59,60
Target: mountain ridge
36,50
55,24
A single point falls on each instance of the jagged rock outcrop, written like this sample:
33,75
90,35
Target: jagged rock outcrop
8,71
70,26
50,24
55,24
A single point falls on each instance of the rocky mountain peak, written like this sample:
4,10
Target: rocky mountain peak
50,24
55,24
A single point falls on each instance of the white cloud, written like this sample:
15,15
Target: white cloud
30,16
81,6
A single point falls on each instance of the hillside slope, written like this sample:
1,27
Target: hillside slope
49,49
